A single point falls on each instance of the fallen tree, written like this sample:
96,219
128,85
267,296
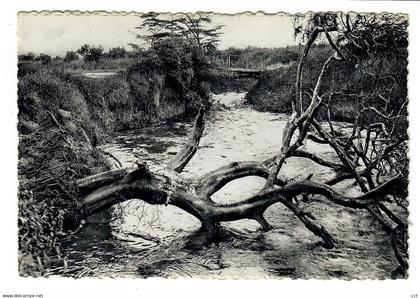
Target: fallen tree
367,154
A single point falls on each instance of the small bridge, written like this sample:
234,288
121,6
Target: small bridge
245,72
254,73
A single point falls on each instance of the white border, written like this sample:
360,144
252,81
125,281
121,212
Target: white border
11,283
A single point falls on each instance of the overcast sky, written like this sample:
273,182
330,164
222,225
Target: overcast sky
58,33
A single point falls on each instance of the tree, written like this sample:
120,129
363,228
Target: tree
176,59
368,159
44,58
364,41
116,53
27,57
84,50
196,28
95,54
70,56
90,53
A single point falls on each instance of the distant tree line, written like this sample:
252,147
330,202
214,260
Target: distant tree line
85,52
44,58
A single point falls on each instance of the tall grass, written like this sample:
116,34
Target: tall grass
116,64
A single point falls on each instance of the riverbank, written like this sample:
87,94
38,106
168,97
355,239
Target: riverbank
275,91
63,117
349,87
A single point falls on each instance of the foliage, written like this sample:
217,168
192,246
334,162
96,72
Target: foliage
372,49
196,29
91,53
70,56
44,58
117,53
26,57
222,81
178,70
80,66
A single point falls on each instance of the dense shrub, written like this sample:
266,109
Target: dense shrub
27,57
26,68
79,65
45,59
91,53
116,53
70,56
44,91
170,72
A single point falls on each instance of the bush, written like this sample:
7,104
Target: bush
273,92
91,53
27,68
70,56
45,59
26,57
95,54
116,53
172,73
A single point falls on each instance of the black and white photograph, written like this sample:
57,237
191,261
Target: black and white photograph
197,150
202,145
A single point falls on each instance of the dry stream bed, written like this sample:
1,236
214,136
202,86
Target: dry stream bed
139,240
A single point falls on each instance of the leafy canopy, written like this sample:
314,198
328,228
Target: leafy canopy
196,29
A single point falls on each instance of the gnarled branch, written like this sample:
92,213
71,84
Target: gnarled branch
211,182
